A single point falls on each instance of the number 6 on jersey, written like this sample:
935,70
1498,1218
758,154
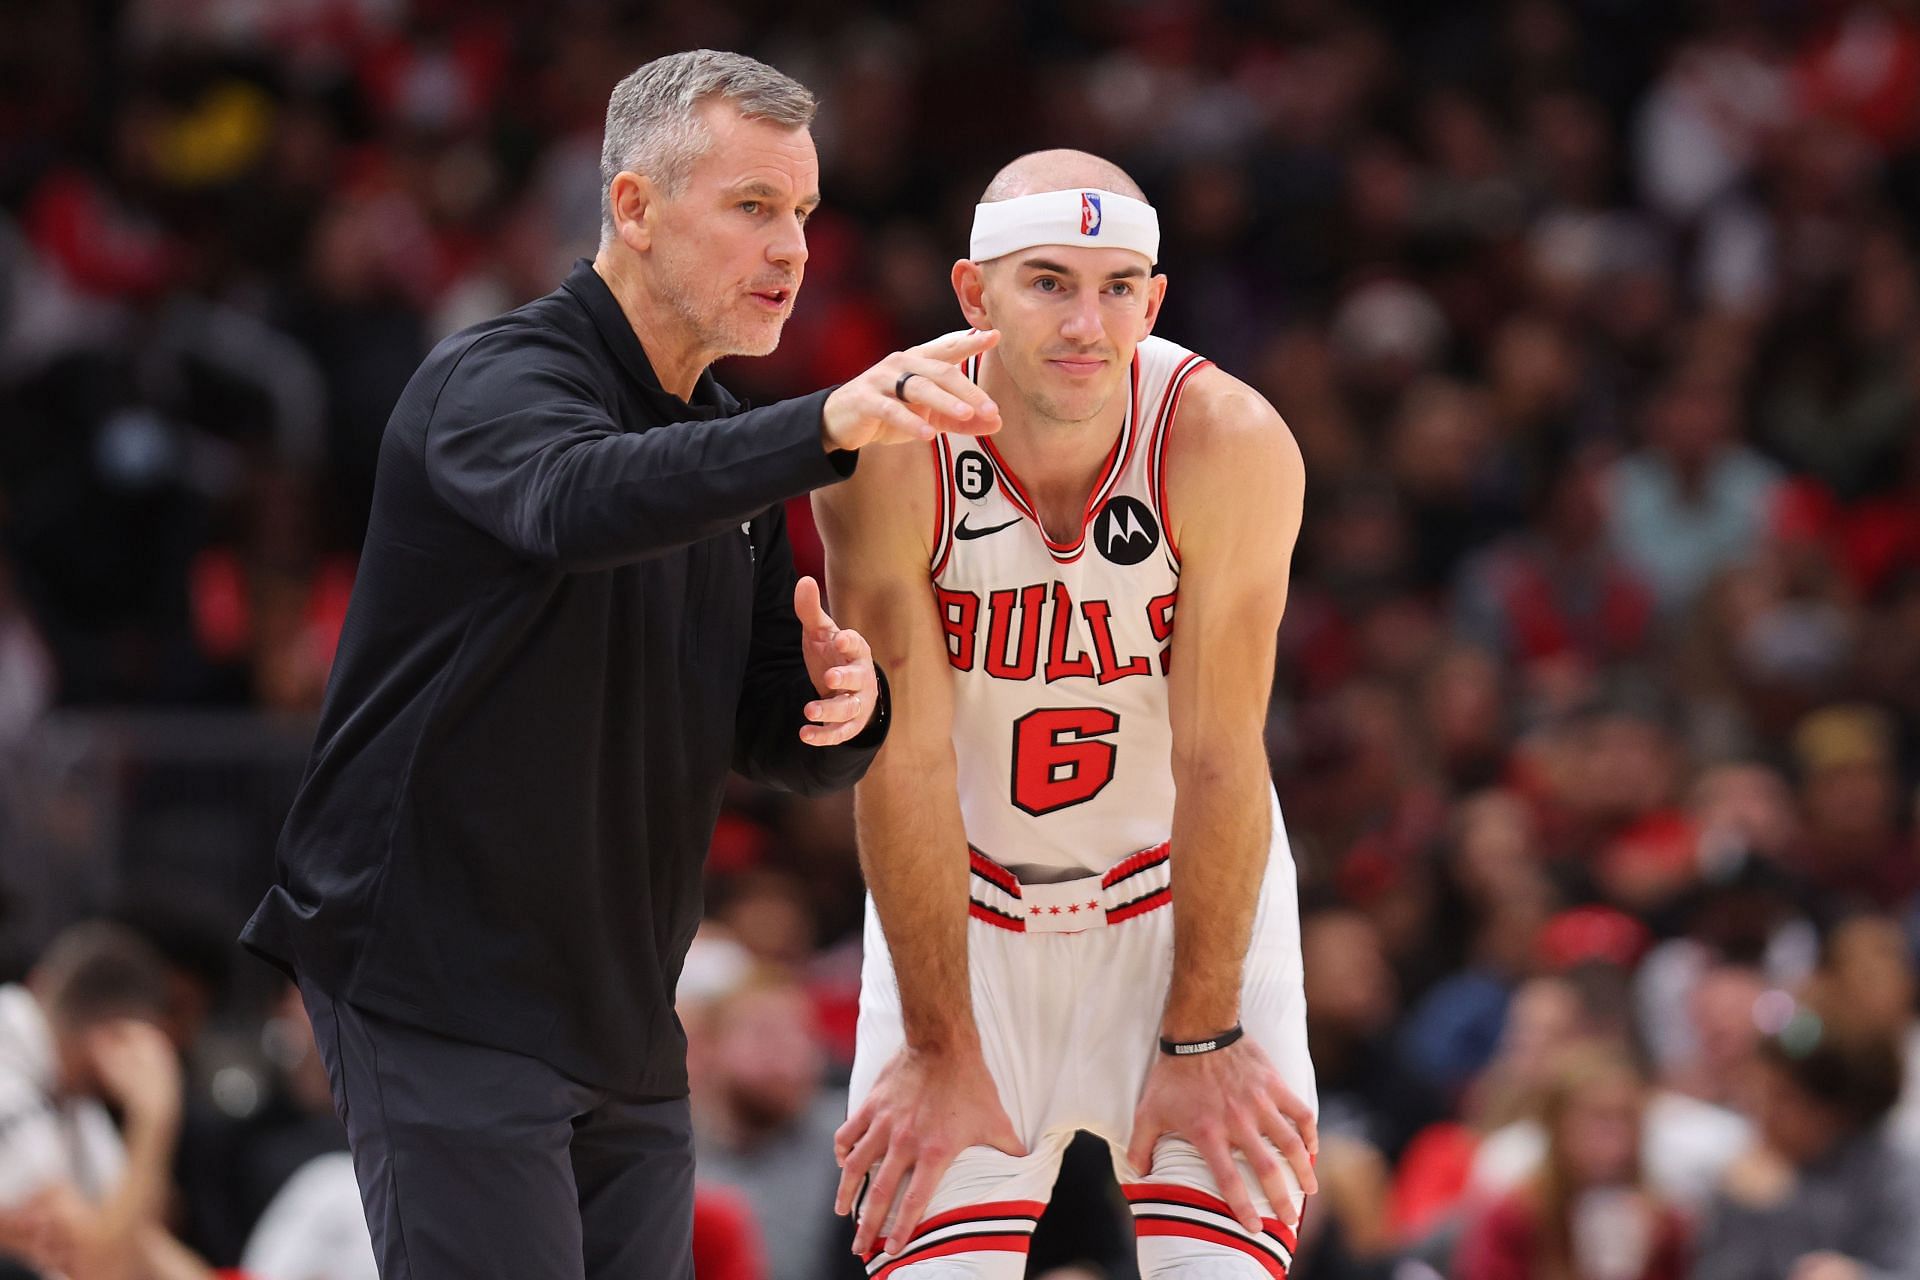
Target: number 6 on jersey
1059,759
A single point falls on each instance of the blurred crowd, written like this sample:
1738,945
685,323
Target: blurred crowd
1597,718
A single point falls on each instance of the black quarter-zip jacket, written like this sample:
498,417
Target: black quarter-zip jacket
573,615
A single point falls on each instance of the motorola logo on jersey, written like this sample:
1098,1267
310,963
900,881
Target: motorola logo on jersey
1125,531
973,475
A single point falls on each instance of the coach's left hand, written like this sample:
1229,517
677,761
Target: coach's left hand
1227,1101
841,667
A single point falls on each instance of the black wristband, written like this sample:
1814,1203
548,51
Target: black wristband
1188,1048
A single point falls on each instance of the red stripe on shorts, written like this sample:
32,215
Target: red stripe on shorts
1140,906
980,1212
966,1244
1135,862
993,917
1198,1231
1194,1198
993,871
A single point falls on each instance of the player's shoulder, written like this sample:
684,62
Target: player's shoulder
1221,424
892,489
900,472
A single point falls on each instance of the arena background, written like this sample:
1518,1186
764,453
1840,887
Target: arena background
1598,697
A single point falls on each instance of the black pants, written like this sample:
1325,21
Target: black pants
477,1163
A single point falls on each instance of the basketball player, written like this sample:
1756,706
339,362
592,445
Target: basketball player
1077,752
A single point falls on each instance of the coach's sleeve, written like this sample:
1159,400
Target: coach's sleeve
773,700
518,444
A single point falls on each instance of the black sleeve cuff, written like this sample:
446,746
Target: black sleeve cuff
843,461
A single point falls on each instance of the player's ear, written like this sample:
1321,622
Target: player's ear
1156,292
632,198
970,288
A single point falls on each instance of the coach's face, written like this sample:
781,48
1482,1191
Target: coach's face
1069,318
728,251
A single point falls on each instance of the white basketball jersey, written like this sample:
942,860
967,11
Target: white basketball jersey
1061,650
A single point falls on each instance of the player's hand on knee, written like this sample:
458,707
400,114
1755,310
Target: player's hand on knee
924,1110
1228,1101
913,394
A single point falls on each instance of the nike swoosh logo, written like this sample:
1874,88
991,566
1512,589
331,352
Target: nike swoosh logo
962,532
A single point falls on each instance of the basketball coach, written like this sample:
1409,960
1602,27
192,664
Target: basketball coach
576,610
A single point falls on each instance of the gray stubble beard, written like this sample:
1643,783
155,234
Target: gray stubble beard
713,335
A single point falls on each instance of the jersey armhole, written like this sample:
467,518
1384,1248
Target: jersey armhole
1157,459
942,504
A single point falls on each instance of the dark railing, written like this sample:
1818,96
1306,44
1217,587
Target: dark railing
135,811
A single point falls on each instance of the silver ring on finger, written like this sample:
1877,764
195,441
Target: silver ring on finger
900,385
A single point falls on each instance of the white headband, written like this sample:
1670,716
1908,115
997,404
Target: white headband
1097,218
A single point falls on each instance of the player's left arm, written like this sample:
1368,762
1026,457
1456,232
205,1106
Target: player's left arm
1235,484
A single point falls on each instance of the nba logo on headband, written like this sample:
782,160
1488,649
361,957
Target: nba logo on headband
1089,213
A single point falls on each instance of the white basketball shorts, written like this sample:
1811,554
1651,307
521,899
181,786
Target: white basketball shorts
1069,983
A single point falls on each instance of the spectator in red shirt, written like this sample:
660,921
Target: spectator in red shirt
726,1244
1588,1213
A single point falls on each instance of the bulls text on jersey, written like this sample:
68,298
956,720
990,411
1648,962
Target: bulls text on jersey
1006,643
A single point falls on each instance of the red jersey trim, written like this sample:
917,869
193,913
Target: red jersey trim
992,872
1116,465
1162,428
942,503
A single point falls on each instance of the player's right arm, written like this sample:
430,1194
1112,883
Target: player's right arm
936,1098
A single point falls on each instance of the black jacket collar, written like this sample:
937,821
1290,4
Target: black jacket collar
710,399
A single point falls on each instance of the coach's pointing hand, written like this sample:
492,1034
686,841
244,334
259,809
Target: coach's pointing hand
913,394
841,666
925,1109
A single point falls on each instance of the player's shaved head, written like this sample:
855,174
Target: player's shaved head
1056,294
1059,170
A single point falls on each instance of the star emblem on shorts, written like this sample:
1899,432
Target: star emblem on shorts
1053,911
1034,912
1074,910
1093,906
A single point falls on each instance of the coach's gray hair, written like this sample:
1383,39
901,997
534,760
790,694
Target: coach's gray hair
653,118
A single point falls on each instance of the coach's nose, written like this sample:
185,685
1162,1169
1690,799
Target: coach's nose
788,248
